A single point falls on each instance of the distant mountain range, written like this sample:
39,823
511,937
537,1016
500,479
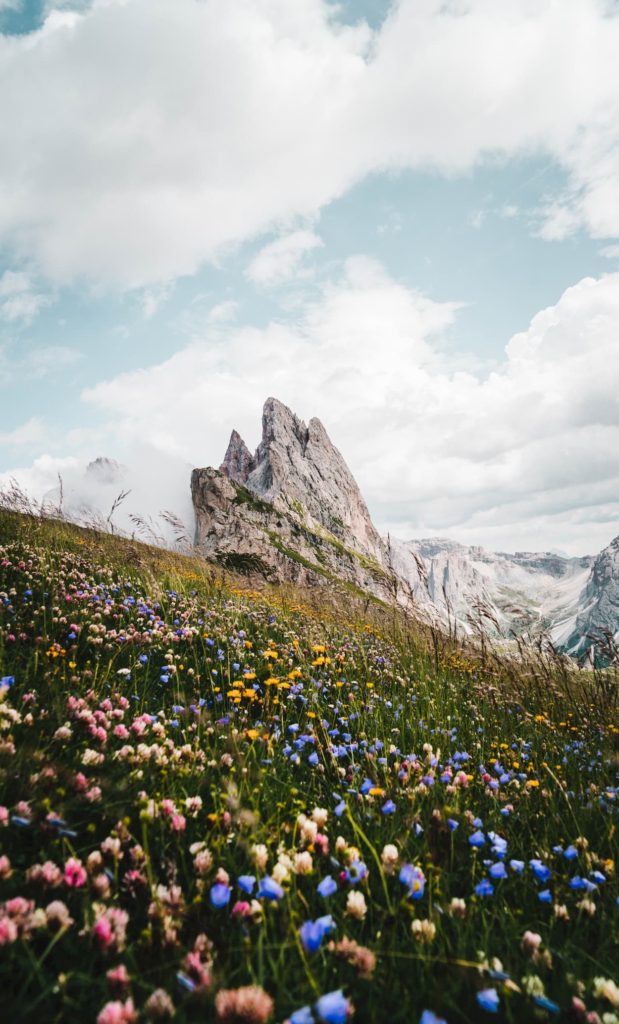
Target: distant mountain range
293,511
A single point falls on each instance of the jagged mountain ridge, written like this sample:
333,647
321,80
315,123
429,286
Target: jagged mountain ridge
293,511
522,593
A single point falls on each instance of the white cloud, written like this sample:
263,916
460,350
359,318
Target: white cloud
223,312
280,260
30,432
224,120
153,298
19,302
526,455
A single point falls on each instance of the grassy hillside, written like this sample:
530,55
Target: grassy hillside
239,806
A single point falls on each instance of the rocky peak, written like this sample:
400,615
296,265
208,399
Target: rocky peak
238,460
293,508
104,470
300,470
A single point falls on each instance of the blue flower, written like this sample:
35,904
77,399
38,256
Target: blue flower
185,982
477,839
313,932
581,883
498,870
327,886
269,889
219,894
313,758
546,1004
388,807
414,880
488,999
246,883
484,888
453,824
339,809
356,872
302,1016
541,871
517,866
333,1008
428,1017
6,681
570,853
545,896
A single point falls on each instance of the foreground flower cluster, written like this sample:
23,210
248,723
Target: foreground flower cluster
212,809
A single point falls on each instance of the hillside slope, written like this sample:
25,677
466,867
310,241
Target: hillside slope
217,807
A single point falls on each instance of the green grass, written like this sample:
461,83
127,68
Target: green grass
273,705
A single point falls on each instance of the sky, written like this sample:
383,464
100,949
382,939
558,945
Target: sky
400,217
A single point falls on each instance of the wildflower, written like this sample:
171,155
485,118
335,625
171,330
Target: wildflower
389,858
8,931
428,1017
457,907
530,944
333,1008
541,871
159,1006
260,856
303,863
320,816
414,880
313,932
74,873
488,1000
484,888
57,915
356,872
477,839
246,883
118,1013
219,895
388,807
302,1016
249,1004
423,931
269,889
547,1004
359,957
355,905
241,909
203,861
327,886
118,978
605,988
497,870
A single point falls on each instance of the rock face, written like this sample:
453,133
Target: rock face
524,593
596,616
292,510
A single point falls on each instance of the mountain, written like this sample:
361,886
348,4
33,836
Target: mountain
508,594
292,511
595,619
